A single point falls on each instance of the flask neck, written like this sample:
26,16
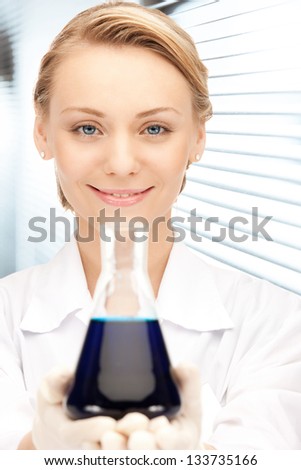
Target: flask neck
121,250
123,289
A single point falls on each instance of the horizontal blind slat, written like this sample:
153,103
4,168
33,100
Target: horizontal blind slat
289,171
254,125
254,62
281,211
243,221
289,80
286,148
241,23
249,42
252,185
278,254
264,103
283,277
219,11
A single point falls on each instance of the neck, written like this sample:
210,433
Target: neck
158,253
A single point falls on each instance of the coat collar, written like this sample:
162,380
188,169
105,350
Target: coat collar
60,290
199,309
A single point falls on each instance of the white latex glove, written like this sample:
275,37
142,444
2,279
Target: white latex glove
181,432
52,429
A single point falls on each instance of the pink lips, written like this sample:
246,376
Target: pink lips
121,197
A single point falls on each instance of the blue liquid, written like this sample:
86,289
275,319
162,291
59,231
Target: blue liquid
123,367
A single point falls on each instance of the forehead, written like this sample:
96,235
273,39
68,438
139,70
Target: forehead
108,75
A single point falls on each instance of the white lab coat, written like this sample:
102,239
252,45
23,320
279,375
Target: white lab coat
244,334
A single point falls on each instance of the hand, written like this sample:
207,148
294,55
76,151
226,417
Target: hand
52,429
181,432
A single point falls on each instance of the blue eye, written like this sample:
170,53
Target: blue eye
155,129
88,129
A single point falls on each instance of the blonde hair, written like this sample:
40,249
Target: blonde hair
126,23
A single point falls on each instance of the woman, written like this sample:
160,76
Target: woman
121,104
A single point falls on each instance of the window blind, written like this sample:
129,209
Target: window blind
251,168
10,20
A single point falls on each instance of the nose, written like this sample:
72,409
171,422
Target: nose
121,159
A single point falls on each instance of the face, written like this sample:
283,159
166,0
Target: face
122,130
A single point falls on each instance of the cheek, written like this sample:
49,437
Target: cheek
172,176
173,164
72,161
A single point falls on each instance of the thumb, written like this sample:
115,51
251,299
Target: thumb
55,385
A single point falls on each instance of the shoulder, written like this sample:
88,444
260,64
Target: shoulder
246,295
20,284
21,278
18,289
255,297
38,299
26,280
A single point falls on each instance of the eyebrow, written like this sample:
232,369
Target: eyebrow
139,115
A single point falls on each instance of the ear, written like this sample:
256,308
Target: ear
40,136
199,141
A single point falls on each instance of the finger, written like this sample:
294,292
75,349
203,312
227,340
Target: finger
173,438
167,438
85,430
132,422
86,445
188,378
157,423
74,433
112,440
55,385
141,440
189,436
188,431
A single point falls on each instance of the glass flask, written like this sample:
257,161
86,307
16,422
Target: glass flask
124,365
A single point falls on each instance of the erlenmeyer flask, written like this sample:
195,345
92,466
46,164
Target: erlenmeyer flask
124,365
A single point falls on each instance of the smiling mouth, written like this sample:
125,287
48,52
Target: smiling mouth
121,192
121,196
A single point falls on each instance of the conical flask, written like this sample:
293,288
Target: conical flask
124,365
